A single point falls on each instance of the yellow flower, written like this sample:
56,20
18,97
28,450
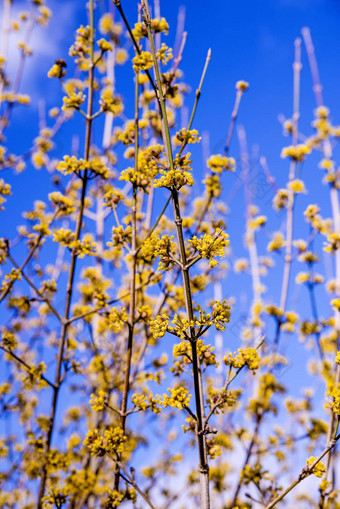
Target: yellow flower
104,45
110,103
241,265
58,69
302,277
281,199
157,26
164,54
242,86
296,152
98,402
159,326
276,243
333,243
209,246
297,186
319,468
336,304
187,136
218,163
73,101
179,398
245,357
142,61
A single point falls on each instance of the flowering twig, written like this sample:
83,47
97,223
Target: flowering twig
204,469
69,290
306,472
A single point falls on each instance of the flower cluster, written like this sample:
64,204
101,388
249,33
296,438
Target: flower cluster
179,398
163,247
296,152
143,61
245,357
159,326
209,246
318,470
112,442
157,26
218,163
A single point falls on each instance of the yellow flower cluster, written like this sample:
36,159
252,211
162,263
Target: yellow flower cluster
333,243
185,136
209,246
81,48
297,186
242,85
73,101
319,468
159,326
220,314
164,54
176,178
148,161
296,152
84,247
213,185
8,339
245,357
307,277
104,45
281,199
73,165
115,498
117,319
142,61
113,441
213,449
277,242
58,69
252,473
143,402
64,204
34,376
110,103
98,402
157,26
162,247
12,98
3,251
334,393
217,163
204,352
54,497
64,237
120,236
181,325
5,190
179,398
256,222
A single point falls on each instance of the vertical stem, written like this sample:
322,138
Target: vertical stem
133,255
69,290
291,197
197,373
